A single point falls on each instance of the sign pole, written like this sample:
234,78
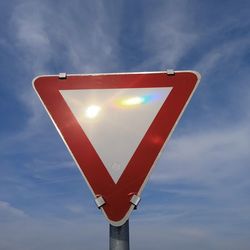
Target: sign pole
119,237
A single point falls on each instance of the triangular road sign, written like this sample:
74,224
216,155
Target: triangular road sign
115,126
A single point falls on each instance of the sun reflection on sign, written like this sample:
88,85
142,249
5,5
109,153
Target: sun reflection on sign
132,101
92,111
135,100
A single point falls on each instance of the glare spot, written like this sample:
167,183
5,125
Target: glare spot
132,101
92,111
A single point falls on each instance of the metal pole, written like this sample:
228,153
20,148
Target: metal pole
119,237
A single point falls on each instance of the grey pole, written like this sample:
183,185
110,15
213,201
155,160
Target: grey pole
119,237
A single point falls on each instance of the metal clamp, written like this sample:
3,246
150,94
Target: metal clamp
62,75
99,201
135,200
170,72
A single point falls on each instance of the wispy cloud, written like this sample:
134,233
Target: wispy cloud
35,233
30,35
76,209
168,36
47,38
205,155
8,212
228,53
198,192
47,33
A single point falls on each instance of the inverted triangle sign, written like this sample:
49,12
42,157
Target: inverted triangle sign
115,126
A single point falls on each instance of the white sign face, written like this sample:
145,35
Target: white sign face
115,120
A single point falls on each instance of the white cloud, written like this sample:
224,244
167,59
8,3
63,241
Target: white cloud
205,156
74,36
35,233
168,36
83,36
76,209
228,53
30,35
162,235
8,212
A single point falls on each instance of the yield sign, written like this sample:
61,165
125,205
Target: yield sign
115,126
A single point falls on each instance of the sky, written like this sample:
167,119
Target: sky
198,195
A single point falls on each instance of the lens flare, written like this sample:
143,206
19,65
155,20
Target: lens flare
135,100
92,111
132,101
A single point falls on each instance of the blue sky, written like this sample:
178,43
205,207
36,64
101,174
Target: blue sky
198,195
